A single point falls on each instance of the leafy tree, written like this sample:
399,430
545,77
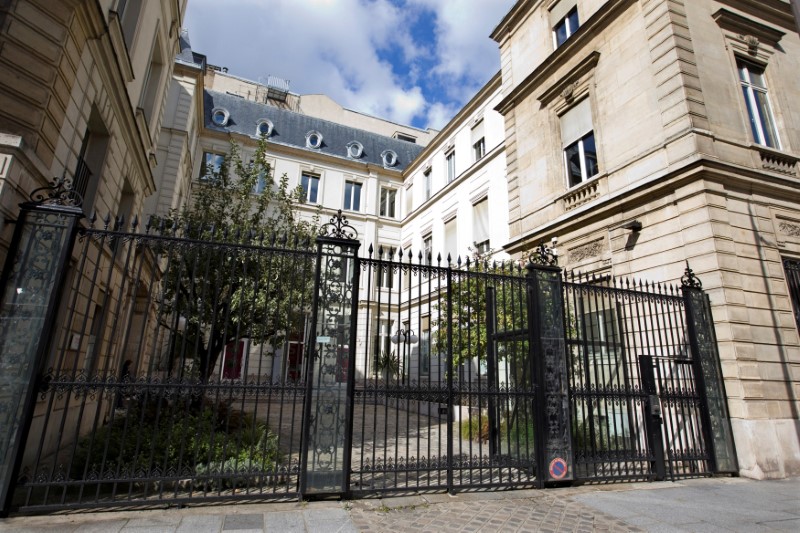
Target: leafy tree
240,270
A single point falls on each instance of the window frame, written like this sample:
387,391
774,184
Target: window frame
426,178
218,160
479,148
309,176
427,249
387,206
450,166
567,24
347,203
749,88
582,157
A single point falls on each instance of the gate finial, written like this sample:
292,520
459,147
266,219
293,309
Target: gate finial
338,228
60,192
689,279
543,255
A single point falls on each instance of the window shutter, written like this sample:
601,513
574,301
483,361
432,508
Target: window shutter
560,10
451,238
480,221
576,122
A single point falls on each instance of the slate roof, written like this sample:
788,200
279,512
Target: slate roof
186,55
290,128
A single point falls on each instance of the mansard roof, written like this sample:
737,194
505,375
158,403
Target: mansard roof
292,129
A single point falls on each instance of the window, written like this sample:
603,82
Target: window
91,159
581,160
756,99
451,166
354,149
264,128
152,83
451,239
310,184
577,136
219,116
261,182
425,347
389,158
426,178
211,166
128,11
404,137
313,139
352,196
566,25
427,249
409,201
385,274
480,226
479,149
387,207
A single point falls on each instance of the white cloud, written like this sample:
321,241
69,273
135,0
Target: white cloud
333,47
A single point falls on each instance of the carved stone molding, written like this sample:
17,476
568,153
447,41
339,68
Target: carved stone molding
789,229
587,251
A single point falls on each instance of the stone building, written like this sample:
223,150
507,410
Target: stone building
642,134
83,97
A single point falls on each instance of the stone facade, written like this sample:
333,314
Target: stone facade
675,153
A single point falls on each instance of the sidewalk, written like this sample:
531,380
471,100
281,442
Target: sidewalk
706,505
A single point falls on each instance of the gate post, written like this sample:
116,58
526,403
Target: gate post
717,430
547,349
330,370
31,281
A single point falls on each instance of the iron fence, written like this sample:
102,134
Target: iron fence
175,373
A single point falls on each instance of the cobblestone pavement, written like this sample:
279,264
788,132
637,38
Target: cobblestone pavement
703,505
484,512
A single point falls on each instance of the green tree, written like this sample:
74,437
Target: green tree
240,270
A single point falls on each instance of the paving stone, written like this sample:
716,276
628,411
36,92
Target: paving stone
235,522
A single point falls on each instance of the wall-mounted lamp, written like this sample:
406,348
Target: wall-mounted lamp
633,225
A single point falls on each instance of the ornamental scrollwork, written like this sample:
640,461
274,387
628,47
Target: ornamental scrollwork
338,228
59,192
543,255
689,279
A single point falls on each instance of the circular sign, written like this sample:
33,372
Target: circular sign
558,468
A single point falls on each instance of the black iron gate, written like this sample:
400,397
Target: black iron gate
198,364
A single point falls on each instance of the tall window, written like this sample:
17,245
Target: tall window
352,196
566,24
426,178
427,249
152,84
128,11
91,159
451,238
756,99
211,166
577,137
451,166
387,206
425,347
479,148
480,226
310,184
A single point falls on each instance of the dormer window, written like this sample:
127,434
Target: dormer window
313,139
264,128
354,149
389,158
220,116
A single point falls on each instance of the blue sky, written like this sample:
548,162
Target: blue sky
412,61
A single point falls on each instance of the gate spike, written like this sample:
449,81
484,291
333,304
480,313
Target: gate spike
380,251
106,221
148,225
467,262
449,259
370,250
419,262
134,223
438,258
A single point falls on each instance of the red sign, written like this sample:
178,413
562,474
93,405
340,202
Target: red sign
558,468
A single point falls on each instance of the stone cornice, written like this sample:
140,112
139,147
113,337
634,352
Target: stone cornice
580,39
744,26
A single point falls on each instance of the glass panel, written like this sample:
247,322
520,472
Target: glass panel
590,155
356,197
572,20
573,158
765,115
384,194
561,32
348,192
757,77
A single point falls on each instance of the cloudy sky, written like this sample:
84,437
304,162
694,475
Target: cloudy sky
412,61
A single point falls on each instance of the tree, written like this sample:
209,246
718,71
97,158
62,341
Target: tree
242,268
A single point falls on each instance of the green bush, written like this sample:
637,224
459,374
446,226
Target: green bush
177,439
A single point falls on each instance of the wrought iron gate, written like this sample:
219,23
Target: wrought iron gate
198,364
